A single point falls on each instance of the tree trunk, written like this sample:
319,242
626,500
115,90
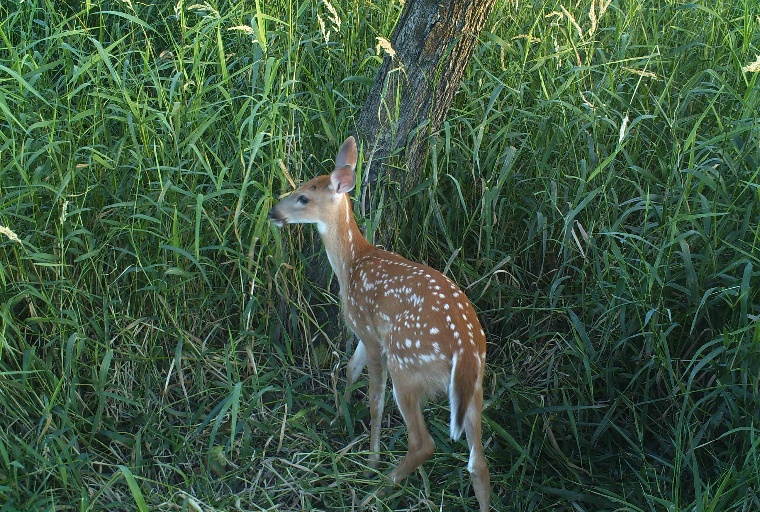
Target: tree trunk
433,41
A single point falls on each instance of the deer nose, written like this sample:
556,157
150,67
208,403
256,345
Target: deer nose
277,219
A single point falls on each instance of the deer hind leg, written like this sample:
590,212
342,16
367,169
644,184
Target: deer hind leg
481,480
421,445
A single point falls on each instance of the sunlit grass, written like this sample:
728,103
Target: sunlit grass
594,189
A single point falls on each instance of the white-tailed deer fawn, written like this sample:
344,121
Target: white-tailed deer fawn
412,322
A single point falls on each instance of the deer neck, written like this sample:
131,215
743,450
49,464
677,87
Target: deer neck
344,242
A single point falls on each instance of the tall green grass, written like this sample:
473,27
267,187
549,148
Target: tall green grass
594,188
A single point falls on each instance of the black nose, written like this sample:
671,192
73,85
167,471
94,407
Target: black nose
276,218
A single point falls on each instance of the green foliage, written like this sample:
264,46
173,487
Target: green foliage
594,189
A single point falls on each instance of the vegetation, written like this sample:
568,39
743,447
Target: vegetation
595,189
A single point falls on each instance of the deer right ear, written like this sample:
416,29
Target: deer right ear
348,154
343,179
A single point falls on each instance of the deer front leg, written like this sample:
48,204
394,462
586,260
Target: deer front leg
354,368
378,376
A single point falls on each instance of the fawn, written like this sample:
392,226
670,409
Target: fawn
412,322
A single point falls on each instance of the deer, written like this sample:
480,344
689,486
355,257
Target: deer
412,322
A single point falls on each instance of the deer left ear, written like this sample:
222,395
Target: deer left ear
343,179
347,154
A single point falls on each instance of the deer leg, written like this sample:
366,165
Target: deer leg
421,445
354,368
378,377
481,480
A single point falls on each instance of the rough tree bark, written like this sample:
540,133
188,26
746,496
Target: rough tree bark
433,42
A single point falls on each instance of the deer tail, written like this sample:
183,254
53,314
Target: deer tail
464,375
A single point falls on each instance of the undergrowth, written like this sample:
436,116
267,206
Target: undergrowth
594,189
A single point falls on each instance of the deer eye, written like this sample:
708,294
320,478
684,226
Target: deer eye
303,199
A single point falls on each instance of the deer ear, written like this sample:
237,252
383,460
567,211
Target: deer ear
343,179
347,154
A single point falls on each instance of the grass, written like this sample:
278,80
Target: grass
594,188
